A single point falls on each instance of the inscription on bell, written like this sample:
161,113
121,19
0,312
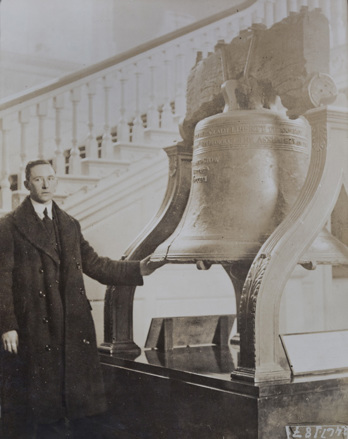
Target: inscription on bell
279,136
249,129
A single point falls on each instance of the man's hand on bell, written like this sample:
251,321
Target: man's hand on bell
10,341
148,267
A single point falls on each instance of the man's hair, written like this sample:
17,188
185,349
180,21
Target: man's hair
32,164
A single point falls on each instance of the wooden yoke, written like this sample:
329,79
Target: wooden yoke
262,357
118,308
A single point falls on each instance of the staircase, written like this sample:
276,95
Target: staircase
104,127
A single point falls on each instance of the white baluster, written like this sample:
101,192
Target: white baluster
107,145
59,159
41,113
24,118
180,99
232,30
6,194
91,141
325,7
122,126
246,21
152,111
193,53
167,115
339,22
303,3
75,159
280,10
313,4
138,129
269,13
292,6
259,12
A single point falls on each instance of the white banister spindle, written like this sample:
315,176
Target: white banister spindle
23,118
59,160
152,111
6,194
167,115
259,13
138,129
325,7
41,113
339,13
280,10
303,3
107,145
122,126
269,13
74,159
91,140
292,6
313,4
180,98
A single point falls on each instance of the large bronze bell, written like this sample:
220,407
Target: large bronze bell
247,170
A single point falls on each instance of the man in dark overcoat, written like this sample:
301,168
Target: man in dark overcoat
51,369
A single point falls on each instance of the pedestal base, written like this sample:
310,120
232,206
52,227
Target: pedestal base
159,400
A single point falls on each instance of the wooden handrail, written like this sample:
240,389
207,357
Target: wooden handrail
57,83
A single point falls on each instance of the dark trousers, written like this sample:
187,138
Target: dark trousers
85,428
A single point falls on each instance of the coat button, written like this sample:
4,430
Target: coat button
82,290
48,348
57,281
85,341
41,270
45,320
78,265
42,294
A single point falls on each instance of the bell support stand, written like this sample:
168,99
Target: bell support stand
262,357
118,308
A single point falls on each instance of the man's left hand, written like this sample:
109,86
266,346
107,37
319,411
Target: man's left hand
148,267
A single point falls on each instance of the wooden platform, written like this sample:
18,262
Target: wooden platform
188,393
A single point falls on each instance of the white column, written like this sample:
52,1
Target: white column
313,4
41,113
180,98
167,115
59,160
91,141
6,194
292,6
138,129
152,111
269,13
280,10
259,12
122,126
107,145
23,118
75,159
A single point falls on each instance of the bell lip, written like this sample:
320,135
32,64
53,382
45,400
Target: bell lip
190,259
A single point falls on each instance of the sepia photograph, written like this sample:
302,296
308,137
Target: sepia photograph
173,219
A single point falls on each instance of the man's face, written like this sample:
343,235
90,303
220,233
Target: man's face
42,183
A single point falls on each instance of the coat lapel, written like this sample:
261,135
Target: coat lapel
31,226
67,231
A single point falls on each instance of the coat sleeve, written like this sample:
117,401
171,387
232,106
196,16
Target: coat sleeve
106,270
8,319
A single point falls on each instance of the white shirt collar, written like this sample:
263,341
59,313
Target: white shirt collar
39,208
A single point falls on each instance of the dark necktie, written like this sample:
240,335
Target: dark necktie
48,223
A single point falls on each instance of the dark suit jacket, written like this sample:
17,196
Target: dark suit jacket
42,296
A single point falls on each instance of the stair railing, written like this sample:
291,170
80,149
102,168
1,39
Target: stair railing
89,116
